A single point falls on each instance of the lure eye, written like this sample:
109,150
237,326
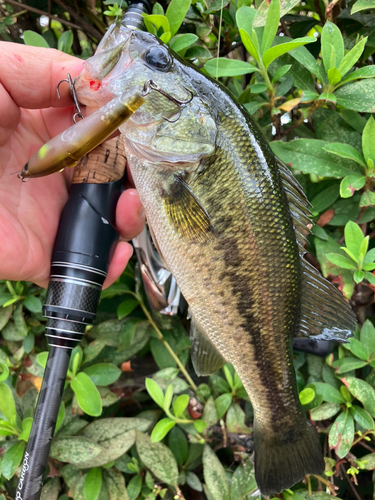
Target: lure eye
158,58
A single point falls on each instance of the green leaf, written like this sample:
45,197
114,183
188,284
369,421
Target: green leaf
178,444
352,57
180,404
222,404
33,304
325,198
7,405
168,397
368,337
26,429
341,434
358,276
368,142
353,237
331,37
362,417
103,373
345,151
93,483
114,435
176,13
12,459
367,199
306,395
74,449
214,475
262,11
281,72
362,391
158,458
369,277
126,307
193,481
87,394
161,429
159,22
155,392
235,420
216,5
42,358
34,39
348,364
362,73
92,350
341,261
181,42
362,5
228,67
243,481
114,483
65,42
278,50
350,184
358,349
308,156
134,487
165,37
272,23
333,76
304,57
325,411
329,393
357,96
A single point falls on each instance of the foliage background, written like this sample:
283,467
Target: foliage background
304,70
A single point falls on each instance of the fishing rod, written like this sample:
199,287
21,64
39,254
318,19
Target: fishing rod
83,247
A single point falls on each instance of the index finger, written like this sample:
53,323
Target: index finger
30,75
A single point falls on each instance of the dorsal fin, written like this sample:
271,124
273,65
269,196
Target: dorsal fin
325,314
204,355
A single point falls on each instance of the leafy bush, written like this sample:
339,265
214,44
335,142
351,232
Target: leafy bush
135,422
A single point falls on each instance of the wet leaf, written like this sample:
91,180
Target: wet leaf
341,434
114,435
357,96
158,458
74,449
114,483
214,475
362,391
308,156
325,411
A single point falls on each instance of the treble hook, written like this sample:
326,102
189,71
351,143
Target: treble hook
71,82
151,85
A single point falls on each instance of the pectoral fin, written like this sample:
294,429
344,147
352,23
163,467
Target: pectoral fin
205,357
186,214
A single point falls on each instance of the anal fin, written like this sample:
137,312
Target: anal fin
325,314
204,355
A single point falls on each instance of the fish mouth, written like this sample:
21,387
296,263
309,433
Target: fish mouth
98,83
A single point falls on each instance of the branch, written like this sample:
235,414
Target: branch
85,26
42,13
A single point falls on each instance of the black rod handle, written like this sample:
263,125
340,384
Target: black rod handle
82,251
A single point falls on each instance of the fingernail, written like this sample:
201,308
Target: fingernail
141,212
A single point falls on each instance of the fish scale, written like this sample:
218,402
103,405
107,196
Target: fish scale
230,222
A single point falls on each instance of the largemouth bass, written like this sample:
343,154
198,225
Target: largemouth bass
229,220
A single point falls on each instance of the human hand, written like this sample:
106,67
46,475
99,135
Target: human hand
30,115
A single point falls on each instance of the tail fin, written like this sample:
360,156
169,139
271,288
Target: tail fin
283,460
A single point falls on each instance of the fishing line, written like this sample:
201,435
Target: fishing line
218,45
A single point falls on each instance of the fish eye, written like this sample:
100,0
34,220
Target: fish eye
158,57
